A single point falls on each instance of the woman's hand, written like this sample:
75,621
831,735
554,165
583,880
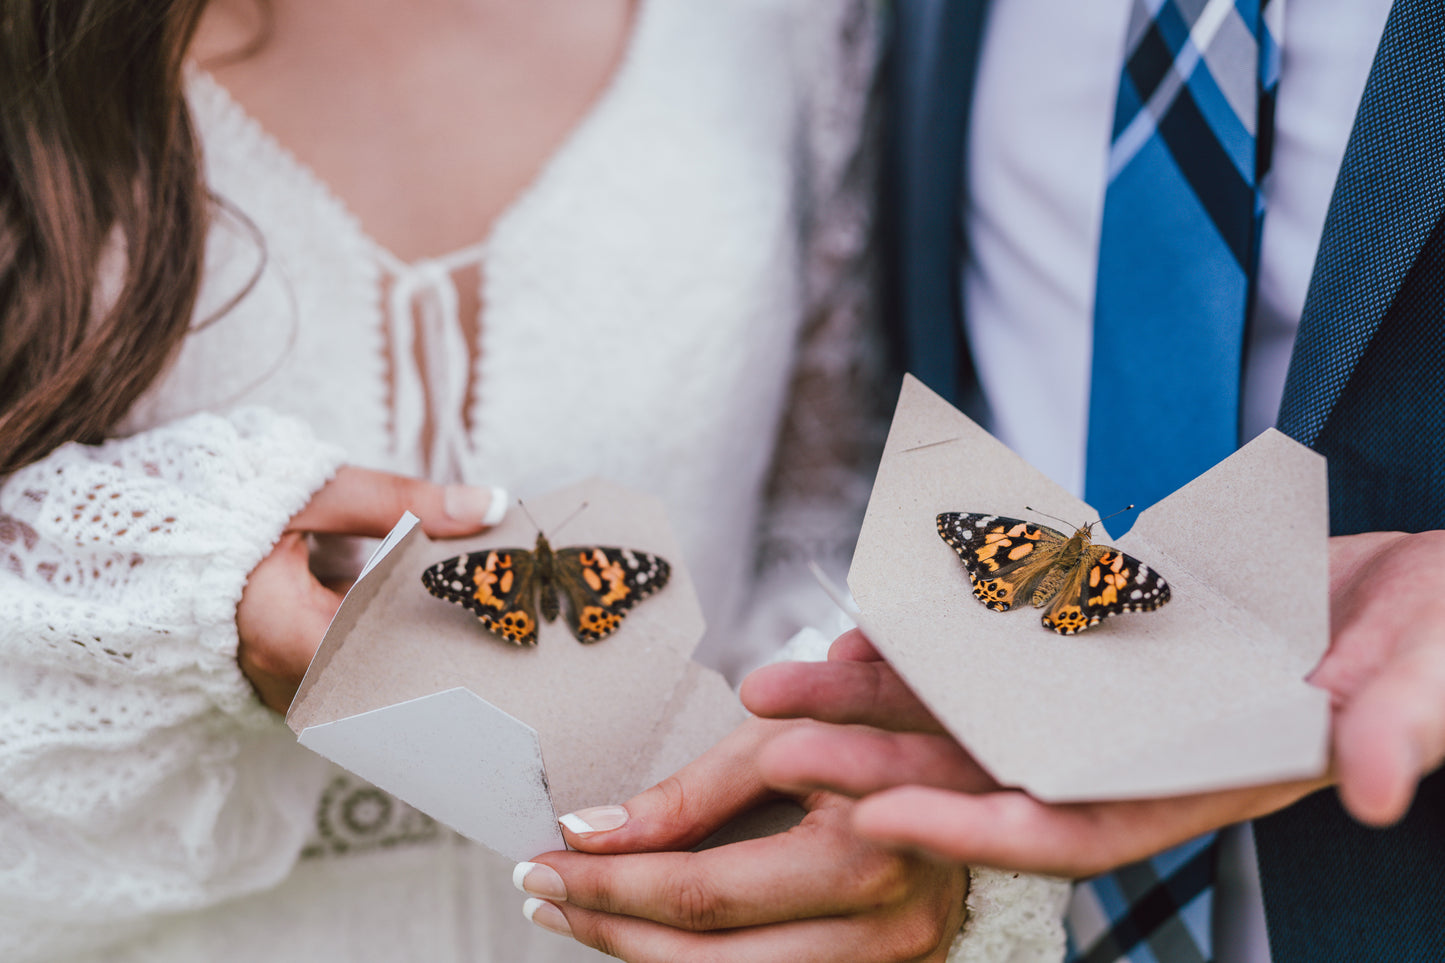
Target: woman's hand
815,892
284,610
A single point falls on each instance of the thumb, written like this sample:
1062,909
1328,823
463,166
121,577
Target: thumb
358,501
1392,732
683,809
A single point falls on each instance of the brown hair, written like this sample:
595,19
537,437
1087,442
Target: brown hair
97,154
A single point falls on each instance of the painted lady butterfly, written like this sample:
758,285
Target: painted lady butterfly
1008,559
501,586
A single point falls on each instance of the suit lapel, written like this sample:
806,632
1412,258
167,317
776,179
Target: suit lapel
934,61
1390,193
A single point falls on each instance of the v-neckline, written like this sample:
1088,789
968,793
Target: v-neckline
572,143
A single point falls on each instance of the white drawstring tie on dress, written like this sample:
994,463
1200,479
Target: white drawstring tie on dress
423,303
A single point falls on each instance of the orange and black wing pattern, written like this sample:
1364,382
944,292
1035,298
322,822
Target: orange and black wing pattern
498,585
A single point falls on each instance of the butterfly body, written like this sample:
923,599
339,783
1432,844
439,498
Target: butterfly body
504,587
1081,583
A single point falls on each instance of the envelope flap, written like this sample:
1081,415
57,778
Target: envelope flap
458,759
1031,704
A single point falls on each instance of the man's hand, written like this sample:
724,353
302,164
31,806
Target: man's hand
1385,669
815,892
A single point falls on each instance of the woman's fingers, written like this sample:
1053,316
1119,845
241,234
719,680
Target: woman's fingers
358,501
284,610
856,939
814,892
281,618
685,808
814,869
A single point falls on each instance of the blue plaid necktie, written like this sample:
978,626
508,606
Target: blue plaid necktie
1177,254
1178,244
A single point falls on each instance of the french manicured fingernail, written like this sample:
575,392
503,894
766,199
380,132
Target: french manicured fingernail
539,879
547,916
473,503
598,819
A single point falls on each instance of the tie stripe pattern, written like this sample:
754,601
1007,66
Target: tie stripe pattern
1185,84
1178,249
1179,242
1157,910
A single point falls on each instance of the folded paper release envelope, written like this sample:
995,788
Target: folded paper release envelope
412,694
1207,692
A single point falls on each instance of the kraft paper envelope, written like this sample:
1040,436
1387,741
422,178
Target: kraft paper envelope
412,694
1207,692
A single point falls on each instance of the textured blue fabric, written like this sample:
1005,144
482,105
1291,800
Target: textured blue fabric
1387,198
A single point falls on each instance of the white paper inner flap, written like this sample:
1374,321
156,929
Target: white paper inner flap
458,759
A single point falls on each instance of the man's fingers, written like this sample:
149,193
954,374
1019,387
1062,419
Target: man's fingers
845,692
358,501
683,809
1010,830
1385,668
857,761
1392,732
1004,829
853,646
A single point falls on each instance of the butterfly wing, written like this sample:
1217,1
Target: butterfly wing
603,583
1105,583
1005,557
499,587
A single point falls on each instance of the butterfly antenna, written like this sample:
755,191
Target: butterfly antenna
1126,508
523,506
575,512
1030,508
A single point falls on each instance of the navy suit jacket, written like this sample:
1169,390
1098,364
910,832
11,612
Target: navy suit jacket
1366,388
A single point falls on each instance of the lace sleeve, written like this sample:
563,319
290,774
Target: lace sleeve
1012,918
125,723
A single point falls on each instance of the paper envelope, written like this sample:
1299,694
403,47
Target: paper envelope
412,694
1207,692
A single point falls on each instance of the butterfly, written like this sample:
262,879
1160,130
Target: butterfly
501,586
1009,559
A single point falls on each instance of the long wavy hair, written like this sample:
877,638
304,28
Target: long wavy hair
99,170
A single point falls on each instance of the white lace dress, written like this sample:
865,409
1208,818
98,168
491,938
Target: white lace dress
689,254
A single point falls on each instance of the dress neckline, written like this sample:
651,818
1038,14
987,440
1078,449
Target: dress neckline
438,378
293,167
